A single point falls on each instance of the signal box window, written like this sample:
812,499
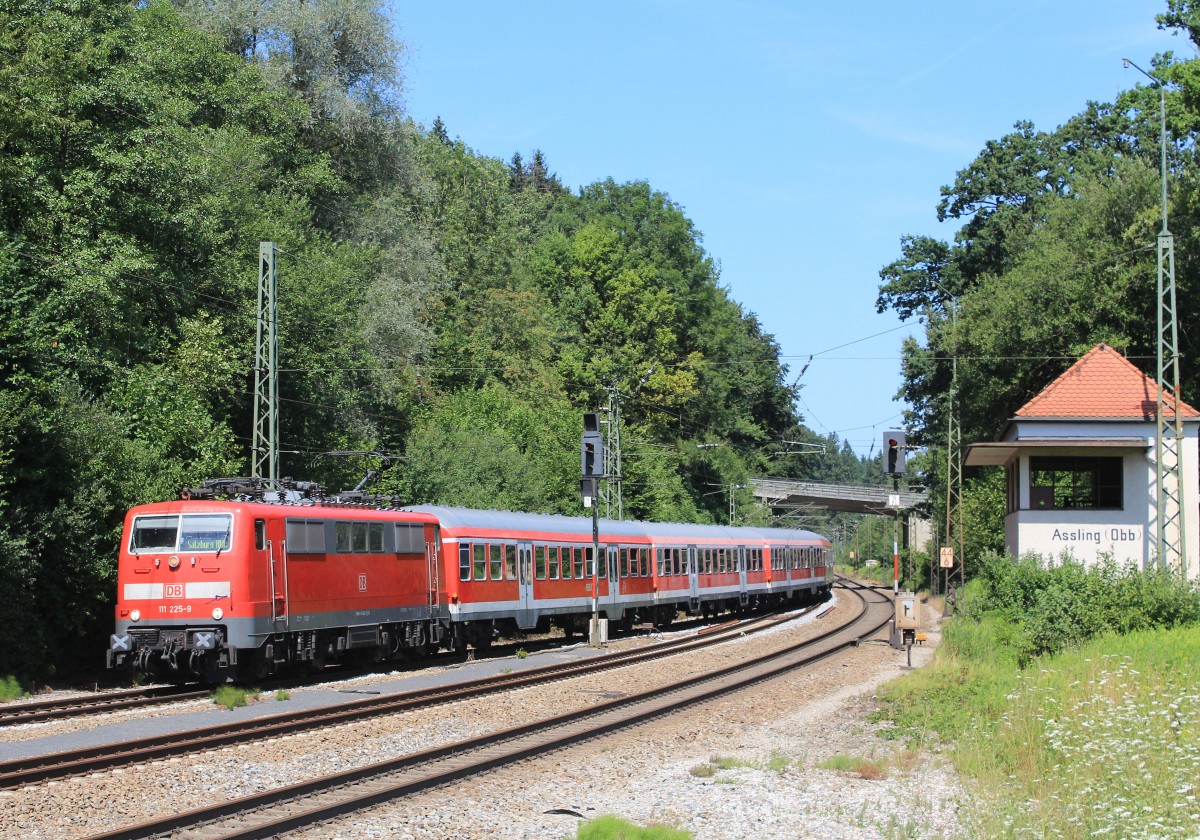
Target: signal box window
1075,483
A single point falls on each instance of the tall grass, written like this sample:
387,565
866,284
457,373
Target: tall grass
1072,699
1099,742
10,688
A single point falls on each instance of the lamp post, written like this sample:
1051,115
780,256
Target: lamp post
1172,534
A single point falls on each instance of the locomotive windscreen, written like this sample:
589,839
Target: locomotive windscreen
196,532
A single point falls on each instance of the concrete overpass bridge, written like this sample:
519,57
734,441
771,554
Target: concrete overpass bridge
849,498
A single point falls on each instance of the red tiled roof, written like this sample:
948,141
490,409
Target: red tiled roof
1102,384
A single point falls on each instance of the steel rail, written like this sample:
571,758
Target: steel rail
320,800
39,711
34,769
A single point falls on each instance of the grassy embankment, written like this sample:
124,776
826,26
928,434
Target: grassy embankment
1071,700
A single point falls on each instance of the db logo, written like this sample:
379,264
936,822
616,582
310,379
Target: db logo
173,590
362,583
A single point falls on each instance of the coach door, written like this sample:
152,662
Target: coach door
693,578
614,573
526,613
742,555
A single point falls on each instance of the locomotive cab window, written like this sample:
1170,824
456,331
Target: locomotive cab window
190,532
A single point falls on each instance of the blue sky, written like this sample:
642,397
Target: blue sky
802,139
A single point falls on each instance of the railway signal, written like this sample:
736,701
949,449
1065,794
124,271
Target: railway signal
591,447
893,452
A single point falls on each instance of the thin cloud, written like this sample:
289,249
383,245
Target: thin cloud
886,128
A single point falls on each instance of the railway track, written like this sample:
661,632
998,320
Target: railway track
35,769
40,711
284,810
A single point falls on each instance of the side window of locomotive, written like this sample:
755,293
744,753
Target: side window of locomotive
360,537
375,537
410,539
260,534
464,561
305,536
342,537
154,533
480,561
205,532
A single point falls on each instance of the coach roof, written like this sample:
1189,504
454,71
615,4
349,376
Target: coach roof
503,520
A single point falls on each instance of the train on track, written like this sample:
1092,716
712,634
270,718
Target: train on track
235,582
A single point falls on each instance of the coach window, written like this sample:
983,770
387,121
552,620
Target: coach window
464,561
480,561
496,555
541,553
576,561
589,567
510,562
624,562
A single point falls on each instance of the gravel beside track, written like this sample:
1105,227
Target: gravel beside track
643,773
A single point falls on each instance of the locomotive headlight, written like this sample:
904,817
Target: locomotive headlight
218,613
135,615
173,562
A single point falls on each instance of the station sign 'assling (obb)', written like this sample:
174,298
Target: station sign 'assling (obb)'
1117,535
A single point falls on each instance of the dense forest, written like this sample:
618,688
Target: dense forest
1054,253
453,311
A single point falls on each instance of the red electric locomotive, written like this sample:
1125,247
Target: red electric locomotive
214,590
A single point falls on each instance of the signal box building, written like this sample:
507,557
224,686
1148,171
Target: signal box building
1080,463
